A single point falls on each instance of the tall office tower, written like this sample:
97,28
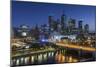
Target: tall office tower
58,26
50,21
63,20
80,27
71,25
86,28
55,25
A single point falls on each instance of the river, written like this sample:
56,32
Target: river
53,57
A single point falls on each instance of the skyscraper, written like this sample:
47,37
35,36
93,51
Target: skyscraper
58,26
50,21
80,27
63,20
71,25
86,28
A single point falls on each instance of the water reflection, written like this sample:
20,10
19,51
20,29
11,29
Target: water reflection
32,60
40,58
26,60
17,62
45,56
22,59
60,56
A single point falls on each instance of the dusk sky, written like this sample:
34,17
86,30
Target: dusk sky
32,13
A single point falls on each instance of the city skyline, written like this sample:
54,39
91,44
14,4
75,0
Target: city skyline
51,33
30,13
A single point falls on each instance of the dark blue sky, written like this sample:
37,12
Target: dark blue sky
32,13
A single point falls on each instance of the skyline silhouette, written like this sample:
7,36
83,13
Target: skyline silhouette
32,13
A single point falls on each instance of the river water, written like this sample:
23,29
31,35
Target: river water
52,57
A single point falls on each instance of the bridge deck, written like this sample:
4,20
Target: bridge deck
77,47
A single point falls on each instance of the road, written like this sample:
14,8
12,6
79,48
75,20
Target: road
32,52
77,47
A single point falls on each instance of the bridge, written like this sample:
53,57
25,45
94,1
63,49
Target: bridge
30,52
78,47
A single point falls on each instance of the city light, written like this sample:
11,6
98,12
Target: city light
52,36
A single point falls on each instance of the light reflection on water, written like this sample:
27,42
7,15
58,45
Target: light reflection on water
17,62
43,58
26,60
32,60
40,58
60,58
